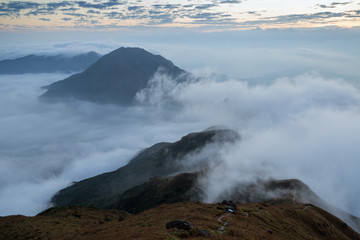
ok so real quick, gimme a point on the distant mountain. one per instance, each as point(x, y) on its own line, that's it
point(48, 64)
point(114, 78)
point(160, 160)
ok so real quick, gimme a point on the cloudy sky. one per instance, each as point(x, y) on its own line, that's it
point(241, 38)
point(216, 14)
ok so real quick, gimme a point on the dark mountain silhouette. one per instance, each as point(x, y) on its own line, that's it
point(48, 64)
point(162, 159)
point(115, 78)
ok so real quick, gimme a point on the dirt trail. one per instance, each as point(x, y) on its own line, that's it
point(224, 223)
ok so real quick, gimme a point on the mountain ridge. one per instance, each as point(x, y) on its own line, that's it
point(48, 63)
point(159, 160)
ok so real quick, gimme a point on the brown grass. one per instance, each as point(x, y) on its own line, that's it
point(250, 222)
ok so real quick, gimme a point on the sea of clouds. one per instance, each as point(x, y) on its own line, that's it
point(304, 127)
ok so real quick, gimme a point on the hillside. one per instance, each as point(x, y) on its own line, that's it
point(185, 187)
point(160, 160)
point(278, 221)
point(48, 63)
point(114, 78)
point(161, 174)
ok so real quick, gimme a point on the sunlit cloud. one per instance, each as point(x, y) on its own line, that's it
point(91, 14)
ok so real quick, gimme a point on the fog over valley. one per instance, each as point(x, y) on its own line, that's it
point(303, 126)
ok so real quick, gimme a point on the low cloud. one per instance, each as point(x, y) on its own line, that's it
point(46, 147)
point(304, 127)
point(65, 48)
point(318, 17)
point(301, 127)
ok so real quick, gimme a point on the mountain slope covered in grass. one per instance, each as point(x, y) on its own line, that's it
point(277, 221)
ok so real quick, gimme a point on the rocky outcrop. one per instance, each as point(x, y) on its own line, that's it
point(180, 224)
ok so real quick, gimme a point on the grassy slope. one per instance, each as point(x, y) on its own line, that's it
point(250, 221)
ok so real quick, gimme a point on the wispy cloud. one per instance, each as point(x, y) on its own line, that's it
point(217, 13)
point(102, 5)
point(333, 4)
point(166, 6)
point(231, 1)
point(44, 19)
point(93, 12)
point(76, 14)
point(14, 8)
point(205, 6)
point(33, 8)
point(114, 15)
point(254, 13)
point(318, 17)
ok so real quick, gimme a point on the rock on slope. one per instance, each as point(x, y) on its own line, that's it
point(48, 64)
point(114, 78)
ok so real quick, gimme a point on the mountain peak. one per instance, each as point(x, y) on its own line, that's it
point(114, 78)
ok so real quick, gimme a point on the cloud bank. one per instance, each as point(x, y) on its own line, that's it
point(304, 127)
point(46, 147)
